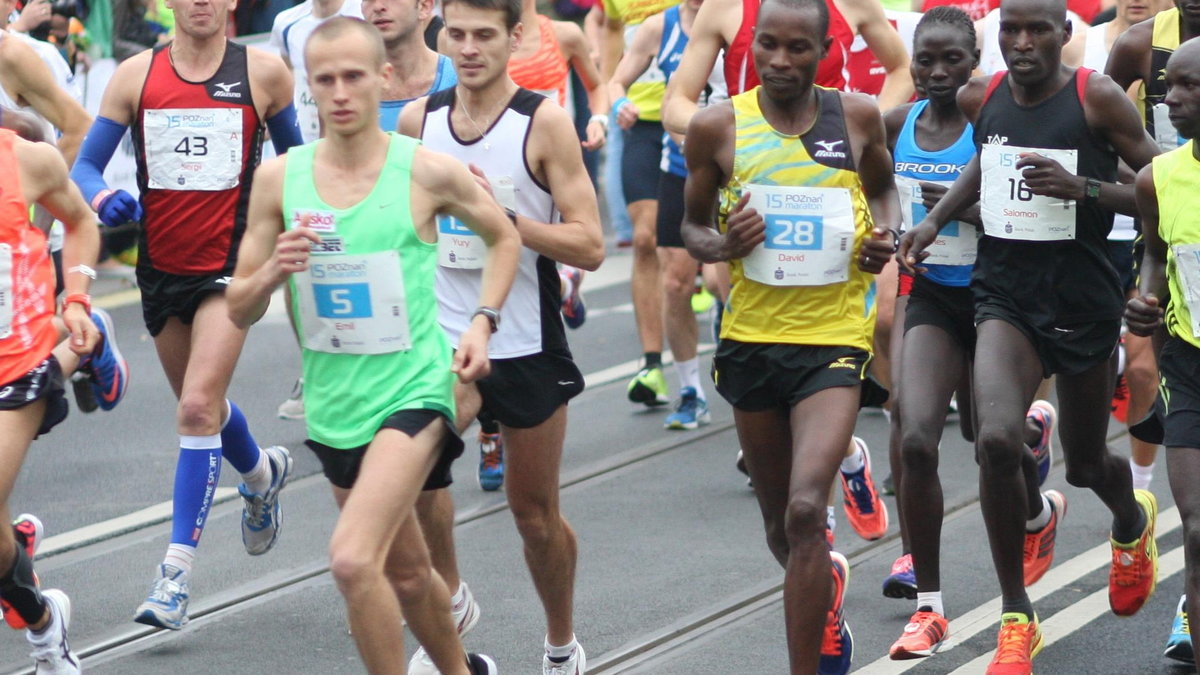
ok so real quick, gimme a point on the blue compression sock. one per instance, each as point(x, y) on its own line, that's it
point(196, 475)
point(237, 445)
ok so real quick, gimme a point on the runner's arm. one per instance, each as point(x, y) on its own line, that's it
point(635, 62)
point(871, 23)
point(875, 171)
point(81, 241)
point(711, 137)
point(961, 195)
point(275, 78)
point(613, 45)
point(117, 110)
point(33, 82)
point(578, 240)
point(267, 254)
point(1143, 313)
point(574, 44)
point(687, 83)
point(1130, 55)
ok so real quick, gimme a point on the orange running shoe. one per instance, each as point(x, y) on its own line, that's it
point(1134, 569)
point(866, 512)
point(1020, 640)
point(1039, 546)
point(837, 644)
point(923, 636)
point(28, 531)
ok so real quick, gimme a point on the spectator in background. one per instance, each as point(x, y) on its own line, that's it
point(132, 33)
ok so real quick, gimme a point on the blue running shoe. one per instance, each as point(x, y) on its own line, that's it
point(837, 645)
point(573, 310)
point(1179, 643)
point(261, 515)
point(107, 370)
point(1043, 415)
point(691, 413)
point(902, 582)
point(166, 606)
point(491, 462)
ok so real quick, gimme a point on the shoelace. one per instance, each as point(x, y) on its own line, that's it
point(902, 565)
point(165, 591)
point(492, 454)
point(831, 641)
point(1013, 644)
point(1127, 575)
point(257, 516)
point(1031, 545)
point(860, 492)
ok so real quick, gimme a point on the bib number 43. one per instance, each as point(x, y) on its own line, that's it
point(192, 145)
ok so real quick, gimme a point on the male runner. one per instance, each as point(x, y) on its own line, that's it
point(931, 141)
point(1047, 298)
point(27, 83)
point(32, 367)
point(525, 149)
point(796, 337)
point(1140, 55)
point(1170, 275)
point(289, 33)
point(417, 70)
point(659, 41)
point(196, 106)
point(380, 400)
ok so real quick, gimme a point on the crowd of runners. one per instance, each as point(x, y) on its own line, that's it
point(1001, 214)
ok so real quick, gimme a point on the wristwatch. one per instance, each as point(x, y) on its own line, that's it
point(1091, 191)
point(512, 215)
point(492, 314)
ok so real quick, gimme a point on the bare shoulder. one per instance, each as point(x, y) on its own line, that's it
point(893, 120)
point(38, 157)
point(970, 95)
point(861, 108)
point(412, 118)
point(1136, 39)
point(270, 173)
point(712, 122)
point(435, 172)
point(268, 63)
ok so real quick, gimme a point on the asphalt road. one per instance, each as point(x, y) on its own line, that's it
point(674, 575)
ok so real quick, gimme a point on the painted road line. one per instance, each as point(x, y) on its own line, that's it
point(1079, 614)
point(986, 616)
point(161, 512)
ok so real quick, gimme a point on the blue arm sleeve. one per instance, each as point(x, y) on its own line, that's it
point(285, 131)
point(97, 149)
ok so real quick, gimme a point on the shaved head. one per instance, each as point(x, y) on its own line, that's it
point(1188, 52)
point(340, 26)
point(1056, 10)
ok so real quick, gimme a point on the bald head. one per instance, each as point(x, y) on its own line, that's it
point(355, 30)
point(1187, 54)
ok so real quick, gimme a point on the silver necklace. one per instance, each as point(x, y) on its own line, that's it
point(480, 131)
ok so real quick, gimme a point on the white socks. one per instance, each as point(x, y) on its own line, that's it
point(181, 556)
point(258, 479)
point(1142, 475)
point(561, 653)
point(931, 600)
point(689, 376)
point(857, 459)
point(1042, 519)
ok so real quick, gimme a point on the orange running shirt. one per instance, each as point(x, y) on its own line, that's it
point(546, 72)
point(26, 276)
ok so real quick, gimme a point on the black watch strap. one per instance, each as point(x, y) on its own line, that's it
point(492, 314)
point(1091, 191)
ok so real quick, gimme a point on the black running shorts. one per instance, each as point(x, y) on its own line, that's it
point(951, 308)
point(670, 210)
point(1068, 349)
point(1177, 408)
point(522, 393)
point(341, 465)
point(757, 377)
point(640, 161)
point(167, 295)
point(44, 381)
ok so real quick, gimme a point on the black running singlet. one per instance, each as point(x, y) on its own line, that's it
point(1051, 283)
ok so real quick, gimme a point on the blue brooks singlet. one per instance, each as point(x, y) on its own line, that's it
point(941, 166)
point(670, 51)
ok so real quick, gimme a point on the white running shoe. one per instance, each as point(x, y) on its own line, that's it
point(261, 516)
point(51, 652)
point(166, 606)
point(293, 407)
point(576, 664)
point(465, 618)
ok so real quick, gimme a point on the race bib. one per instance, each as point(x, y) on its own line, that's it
point(1164, 132)
point(193, 148)
point(810, 235)
point(306, 114)
point(354, 304)
point(1187, 264)
point(458, 246)
point(956, 243)
point(6, 290)
point(1009, 208)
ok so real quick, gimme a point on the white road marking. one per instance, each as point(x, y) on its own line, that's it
point(986, 616)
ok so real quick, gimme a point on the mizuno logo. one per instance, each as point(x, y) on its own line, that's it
point(828, 149)
point(845, 362)
point(227, 90)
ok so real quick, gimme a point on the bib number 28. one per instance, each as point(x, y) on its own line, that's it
point(794, 232)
